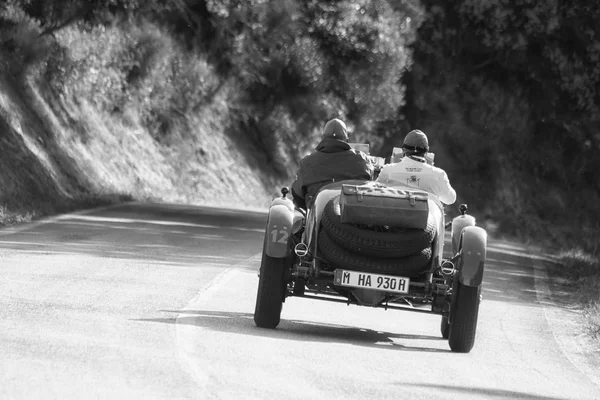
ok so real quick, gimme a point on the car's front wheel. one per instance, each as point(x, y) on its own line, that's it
point(271, 292)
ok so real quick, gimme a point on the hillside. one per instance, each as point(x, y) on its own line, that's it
point(156, 103)
point(56, 154)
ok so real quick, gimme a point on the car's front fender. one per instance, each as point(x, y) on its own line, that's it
point(279, 229)
point(458, 224)
point(471, 262)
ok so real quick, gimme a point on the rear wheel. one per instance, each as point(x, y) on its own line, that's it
point(271, 292)
point(463, 318)
point(445, 327)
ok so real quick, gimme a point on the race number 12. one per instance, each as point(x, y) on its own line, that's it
point(279, 235)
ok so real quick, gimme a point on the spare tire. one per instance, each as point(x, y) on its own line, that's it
point(409, 266)
point(375, 242)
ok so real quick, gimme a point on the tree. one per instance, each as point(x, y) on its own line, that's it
point(510, 89)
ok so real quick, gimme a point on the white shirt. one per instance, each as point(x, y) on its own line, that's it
point(412, 173)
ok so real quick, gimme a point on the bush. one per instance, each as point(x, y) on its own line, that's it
point(583, 269)
point(94, 66)
point(8, 217)
point(22, 49)
point(177, 86)
point(138, 66)
point(580, 264)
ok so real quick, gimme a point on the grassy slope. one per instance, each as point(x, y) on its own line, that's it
point(57, 155)
point(34, 179)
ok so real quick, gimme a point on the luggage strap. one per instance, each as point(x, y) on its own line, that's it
point(412, 196)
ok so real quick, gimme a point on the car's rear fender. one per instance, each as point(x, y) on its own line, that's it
point(279, 229)
point(315, 214)
point(471, 262)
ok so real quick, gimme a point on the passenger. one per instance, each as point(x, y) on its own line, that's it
point(334, 160)
point(414, 171)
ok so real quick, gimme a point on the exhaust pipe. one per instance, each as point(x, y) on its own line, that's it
point(448, 268)
point(301, 249)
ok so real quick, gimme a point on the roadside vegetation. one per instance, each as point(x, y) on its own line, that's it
point(8, 217)
point(215, 101)
point(203, 102)
point(582, 268)
point(511, 91)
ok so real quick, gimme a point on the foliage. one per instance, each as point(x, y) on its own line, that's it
point(510, 90)
point(304, 61)
point(131, 66)
point(8, 217)
point(21, 48)
point(583, 270)
point(346, 57)
point(579, 264)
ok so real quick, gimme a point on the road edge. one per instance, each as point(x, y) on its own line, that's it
point(54, 218)
point(184, 333)
point(572, 341)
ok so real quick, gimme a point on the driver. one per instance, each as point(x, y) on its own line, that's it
point(414, 171)
point(333, 160)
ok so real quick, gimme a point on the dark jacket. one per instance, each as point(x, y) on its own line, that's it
point(332, 161)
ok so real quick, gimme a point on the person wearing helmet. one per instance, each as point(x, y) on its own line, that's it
point(333, 160)
point(414, 171)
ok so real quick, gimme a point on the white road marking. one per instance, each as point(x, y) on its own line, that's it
point(186, 335)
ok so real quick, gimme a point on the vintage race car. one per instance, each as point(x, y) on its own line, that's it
point(325, 254)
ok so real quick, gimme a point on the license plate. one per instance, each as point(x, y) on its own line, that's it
point(387, 283)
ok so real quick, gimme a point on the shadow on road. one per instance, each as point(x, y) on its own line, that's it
point(170, 235)
point(483, 393)
point(304, 331)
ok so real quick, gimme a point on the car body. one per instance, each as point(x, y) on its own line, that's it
point(300, 259)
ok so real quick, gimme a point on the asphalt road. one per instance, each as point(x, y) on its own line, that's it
point(156, 302)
